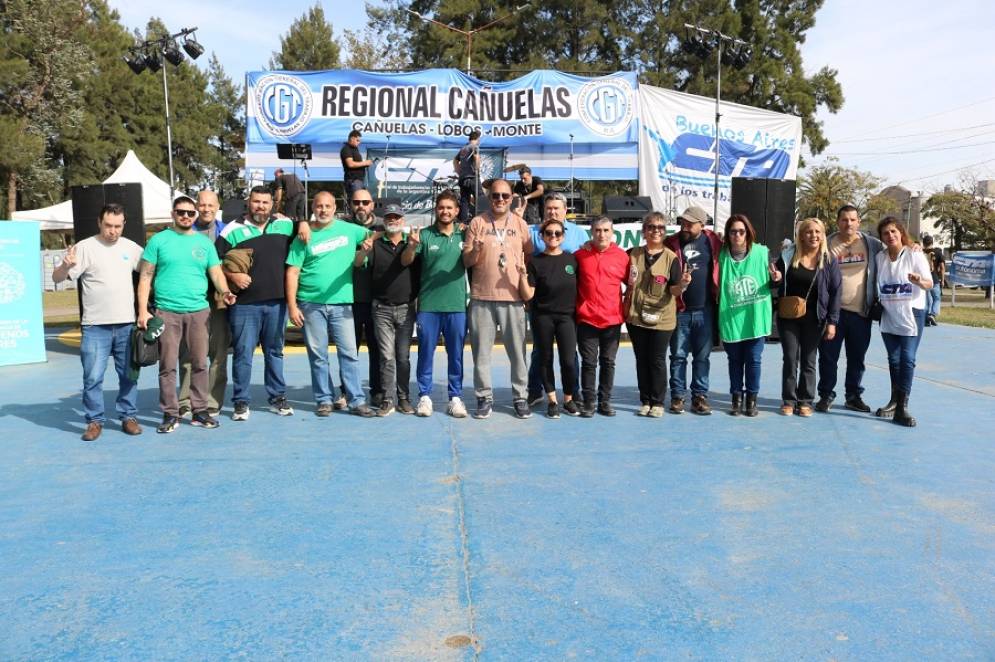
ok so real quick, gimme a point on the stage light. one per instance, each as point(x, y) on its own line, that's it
point(136, 62)
point(193, 49)
point(173, 54)
point(153, 61)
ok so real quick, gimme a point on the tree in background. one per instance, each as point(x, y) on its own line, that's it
point(374, 51)
point(228, 121)
point(827, 187)
point(308, 45)
point(967, 219)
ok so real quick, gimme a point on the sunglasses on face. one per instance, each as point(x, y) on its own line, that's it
point(553, 233)
point(500, 196)
point(737, 231)
point(654, 228)
point(362, 202)
point(189, 213)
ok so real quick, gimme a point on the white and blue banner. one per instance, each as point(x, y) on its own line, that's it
point(22, 331)
point(972, 269)
point(677, 145)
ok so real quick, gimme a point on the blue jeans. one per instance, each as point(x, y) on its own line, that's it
point(744, 362)
point(335, 320)
point(902, 354)
point(693, 334)
point(351, 186)
point(101, 341)
point(933, 300)
point(262, 323)
point(452, 326)
point(854, 331)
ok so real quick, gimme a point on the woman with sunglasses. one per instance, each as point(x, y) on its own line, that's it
point(655, 278)
point(903, 277)
point(551, 287)
point(744, 309)
point(808, 311)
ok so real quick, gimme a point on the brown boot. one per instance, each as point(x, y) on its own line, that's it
point(93, 430)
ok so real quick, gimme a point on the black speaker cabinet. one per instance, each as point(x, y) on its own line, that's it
point(770, 206)
point(380, 203)
point(232, 210)
point(89, 199)
point(626, 208)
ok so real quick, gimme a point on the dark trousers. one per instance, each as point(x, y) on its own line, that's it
point(902, 354)
point(394, 324)
point(650, 347)
point(547, 327)
point(800, 347)
point(854, 331)
point(294, 207)
point(467, 198)
point(598, 348)
point(362, 320)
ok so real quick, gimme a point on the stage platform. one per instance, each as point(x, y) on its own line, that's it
point(838, 537)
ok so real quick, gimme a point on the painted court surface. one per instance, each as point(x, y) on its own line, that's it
point(834, 538)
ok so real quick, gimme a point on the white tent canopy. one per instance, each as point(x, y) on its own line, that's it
point(156, 203)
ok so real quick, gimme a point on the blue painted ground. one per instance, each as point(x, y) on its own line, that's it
point(834, 538)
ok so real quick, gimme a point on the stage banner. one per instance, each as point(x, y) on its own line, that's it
point(22, 331)
point(972, 269)
point(440, 107)
point(677, 149)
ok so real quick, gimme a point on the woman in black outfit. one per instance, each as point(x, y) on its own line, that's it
point(655, 278)
point(551, 287)
point(813, 275)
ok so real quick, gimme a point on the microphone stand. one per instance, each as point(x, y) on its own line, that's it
point(307, 177)
point(572, 172)
point(386, 168)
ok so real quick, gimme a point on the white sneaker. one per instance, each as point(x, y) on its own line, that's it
point(424, 406)
point(340, 404)
point(456, 408)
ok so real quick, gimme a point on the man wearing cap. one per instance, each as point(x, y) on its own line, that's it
point(218, 333)
point(466, 163)
point(179, 262)
point(290, 191)
point(319, 299)
point(530, 190)
point(260, 317)
point(697, 250)
point(441, 302)
point(353, 164)
point(395, 288)
point(496, 245)
point(103, 265)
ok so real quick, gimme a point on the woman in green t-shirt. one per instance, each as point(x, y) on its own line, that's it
point(744, 309)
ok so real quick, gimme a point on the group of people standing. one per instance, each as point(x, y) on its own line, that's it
point(346, 279)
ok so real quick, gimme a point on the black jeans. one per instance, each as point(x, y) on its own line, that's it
point(547, 327)
point(467, 192)
point(650, 347)
point(362, 321)
point(598, 347)
point(800, 340)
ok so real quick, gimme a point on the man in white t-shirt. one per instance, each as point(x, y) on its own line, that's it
point(103, 264)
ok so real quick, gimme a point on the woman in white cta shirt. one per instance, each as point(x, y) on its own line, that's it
point(903, 278)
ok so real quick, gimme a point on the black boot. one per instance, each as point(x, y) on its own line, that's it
point(737, 403)
point(751, 405)
point(888, 410)
point(902, 415)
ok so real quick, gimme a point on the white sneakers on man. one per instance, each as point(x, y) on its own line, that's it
point(424, 406)
point(456, 408)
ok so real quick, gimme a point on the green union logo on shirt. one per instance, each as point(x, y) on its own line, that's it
point(199, 253)
point(746, 290)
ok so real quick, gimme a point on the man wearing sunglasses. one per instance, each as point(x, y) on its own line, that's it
point(496, 245)
point(179, 261)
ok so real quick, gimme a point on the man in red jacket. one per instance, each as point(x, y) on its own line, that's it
point(602, 268)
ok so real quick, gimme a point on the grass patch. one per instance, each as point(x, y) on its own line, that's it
point(60, 307)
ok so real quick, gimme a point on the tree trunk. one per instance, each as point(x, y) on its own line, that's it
point(11, 194)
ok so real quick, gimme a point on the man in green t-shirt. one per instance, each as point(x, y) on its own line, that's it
point(319, 299)
point(178, 262)
point(441, 302)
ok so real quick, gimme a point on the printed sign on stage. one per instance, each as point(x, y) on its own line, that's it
point(22, 332)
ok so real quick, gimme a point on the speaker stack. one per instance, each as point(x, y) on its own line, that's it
point(770, 206)
point(626, 209)
point(88, 200)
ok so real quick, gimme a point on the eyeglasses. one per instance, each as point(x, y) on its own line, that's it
point(500, 196)
point(736, 231)
point(189, 213)
point(553, 233)
point(654, 228)
point(362, 202)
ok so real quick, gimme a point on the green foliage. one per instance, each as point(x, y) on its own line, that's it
point(308, 45)
point(966, 219)
point(827, 187)
point(228, 120)
point(374, 51)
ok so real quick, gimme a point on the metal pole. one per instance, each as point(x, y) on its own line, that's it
point(718, 138)
point(169, 132)
point(469, 46)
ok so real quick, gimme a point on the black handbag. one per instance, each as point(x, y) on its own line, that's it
point(876, 311)
point(143, 353)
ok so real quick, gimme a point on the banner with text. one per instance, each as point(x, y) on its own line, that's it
point(972, 269)
point(22, 331)
point(677, 149)
point(440, 107)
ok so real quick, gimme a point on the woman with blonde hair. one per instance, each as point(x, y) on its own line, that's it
point(808, 310)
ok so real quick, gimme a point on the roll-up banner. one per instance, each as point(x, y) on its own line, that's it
point(22, 331)
point(677, 149)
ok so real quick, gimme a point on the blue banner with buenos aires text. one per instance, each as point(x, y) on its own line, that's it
point(440, 107)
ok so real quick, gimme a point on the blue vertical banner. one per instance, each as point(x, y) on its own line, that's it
point(22, 331)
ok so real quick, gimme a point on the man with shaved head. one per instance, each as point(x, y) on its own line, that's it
point(218, 333)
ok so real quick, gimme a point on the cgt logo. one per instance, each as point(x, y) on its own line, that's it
point(896, 288)
point(283, 104)
point(606, 106)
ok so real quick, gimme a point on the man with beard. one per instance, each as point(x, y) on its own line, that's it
point(441, 302)
point(319, 299)
point(697, 250)
point(497, 243)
